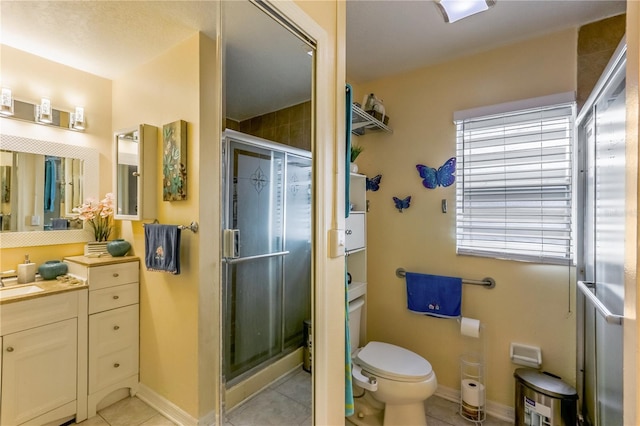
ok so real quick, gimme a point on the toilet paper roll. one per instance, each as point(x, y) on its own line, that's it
point(472, 393)
point(470, 327)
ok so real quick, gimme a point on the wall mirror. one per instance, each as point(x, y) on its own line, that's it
point(42, 182)
point(135, 174)
point(267, 202)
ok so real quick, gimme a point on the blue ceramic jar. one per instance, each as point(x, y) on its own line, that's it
point(50, 269)
point(118, 248)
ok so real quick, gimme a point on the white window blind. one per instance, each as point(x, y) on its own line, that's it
point(514, 184)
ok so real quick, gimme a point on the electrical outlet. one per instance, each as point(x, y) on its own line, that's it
point(35, 220)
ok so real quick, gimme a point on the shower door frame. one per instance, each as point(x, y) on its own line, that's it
point(230, 136)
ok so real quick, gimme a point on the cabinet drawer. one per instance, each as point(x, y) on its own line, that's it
point(39, 311)
point(112, 329)
point(112, 367)
point(112, 297)
point(355, 232)
point(112, 275)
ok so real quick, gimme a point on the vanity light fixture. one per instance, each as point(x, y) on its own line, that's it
point(76, 119)
point(6, 102)
point(454, 10)
point(44, 113)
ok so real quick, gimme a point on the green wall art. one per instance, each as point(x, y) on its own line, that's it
point(174, 161)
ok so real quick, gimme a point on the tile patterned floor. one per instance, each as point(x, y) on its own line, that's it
point(287, 402)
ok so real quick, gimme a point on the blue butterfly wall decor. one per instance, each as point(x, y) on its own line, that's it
point(402, 204)
point(432, 178)
point(373, 184)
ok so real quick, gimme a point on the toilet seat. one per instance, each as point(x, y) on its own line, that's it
point(393, 362)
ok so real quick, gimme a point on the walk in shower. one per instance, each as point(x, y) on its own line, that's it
point(267, 252)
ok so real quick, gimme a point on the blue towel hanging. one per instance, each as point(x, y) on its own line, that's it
point(162, 248)
point(434, 295)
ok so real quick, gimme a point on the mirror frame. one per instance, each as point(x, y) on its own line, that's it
point(91, 178)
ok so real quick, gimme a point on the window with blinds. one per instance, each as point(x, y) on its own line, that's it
point(514, 184)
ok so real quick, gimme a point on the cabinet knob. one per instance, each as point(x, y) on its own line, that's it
point(136, 174)
point(116, 275)
point(116, 327)
point(116, 365)
point(116, 297)
point(10, 349)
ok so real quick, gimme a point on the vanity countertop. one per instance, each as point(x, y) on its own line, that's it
point(101, 260)
point(48, 287)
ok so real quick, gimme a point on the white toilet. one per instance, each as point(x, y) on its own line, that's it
point(396, 381)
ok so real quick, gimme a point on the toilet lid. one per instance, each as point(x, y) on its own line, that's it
point(393, 362)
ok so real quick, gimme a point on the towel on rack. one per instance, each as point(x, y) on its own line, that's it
point(434, 295)
point(162, 248)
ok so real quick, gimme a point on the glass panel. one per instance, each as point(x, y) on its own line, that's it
point(254, 287)
point(297, 273)
point(253, 331)
point(257, 206)
point(609, 244)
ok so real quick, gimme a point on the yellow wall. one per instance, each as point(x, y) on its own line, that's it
point(31, 78)
point(160, 92)
point(531, 303)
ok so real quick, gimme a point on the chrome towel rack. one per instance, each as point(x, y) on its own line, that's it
point(487, 282)
point(193, 227)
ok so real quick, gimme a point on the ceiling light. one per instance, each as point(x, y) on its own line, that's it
point(44, 114)
point(76, 119)
point(6, 102)
point(454, 10)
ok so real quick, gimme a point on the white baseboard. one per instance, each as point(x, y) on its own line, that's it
point(172, 411)
point(500, 411)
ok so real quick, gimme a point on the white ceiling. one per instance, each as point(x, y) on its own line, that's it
point(389, 37)
point(108, 38)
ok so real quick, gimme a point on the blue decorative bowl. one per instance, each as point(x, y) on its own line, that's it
point(118, 248)
point(50, 269)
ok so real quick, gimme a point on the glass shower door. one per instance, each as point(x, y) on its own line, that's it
point(253, 290)
point(602, 134)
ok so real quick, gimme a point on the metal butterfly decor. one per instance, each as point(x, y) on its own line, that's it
point(373, 184)
point(402, 204)
point(443, 176)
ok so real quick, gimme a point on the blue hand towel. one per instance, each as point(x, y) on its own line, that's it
point(434, 295)
point(162, 248)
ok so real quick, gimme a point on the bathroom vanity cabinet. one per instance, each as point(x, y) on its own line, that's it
point(356, 243)
point(113, 324)
point(43, 378)
point(135, 173)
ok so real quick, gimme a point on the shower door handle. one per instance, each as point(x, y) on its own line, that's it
point(257, 256)
point(609, 317)
point(231, 243)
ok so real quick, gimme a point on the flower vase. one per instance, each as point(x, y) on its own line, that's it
point(353, 168)
point(50, 269)
point(95, 247)
point(118, 248)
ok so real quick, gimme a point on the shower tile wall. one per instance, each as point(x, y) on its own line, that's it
point(289, 126)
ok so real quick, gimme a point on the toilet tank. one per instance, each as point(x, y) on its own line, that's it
point(355, 315)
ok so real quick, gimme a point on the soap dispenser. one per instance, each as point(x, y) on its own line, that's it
point(26, 271)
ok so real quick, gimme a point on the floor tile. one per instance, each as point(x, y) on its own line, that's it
point(269, 408)
point(158, 420)
point(127, 412)
point(297, 387)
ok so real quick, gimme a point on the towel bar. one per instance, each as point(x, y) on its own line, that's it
point(193, 227)
point(487, 282)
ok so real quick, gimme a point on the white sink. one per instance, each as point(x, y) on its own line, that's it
point(19, 291)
